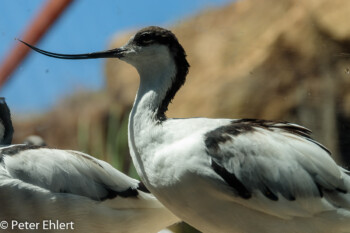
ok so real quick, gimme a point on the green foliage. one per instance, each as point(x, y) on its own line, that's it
point(107, 141)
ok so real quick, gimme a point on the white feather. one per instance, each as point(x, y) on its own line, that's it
point(38, 184)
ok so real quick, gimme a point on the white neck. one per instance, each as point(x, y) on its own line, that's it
point(145, 131)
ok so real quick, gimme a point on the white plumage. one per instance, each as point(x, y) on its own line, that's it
point(41, 183)
point(223, 175)
point(38, 184)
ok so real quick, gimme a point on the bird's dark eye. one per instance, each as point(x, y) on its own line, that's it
point(144, 39)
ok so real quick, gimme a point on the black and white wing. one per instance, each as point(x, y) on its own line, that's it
point(64, 171)
point(276, 168)
point(38, 182)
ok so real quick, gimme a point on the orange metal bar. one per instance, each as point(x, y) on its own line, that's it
point(51, 10)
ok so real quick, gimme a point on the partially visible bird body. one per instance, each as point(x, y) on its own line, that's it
point(38, 184)
point(34, 140)
point(6, 128)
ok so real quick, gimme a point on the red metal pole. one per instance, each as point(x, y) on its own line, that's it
point(51, 10)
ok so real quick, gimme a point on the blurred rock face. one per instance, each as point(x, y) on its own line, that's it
point(271, 59)
point(280, 60)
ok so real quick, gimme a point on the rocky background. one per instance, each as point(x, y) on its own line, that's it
point(279, 60)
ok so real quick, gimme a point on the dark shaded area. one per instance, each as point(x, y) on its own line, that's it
point(232, 181)
point(17, 149)
point(344, 138)
point(5, 120)
point(130, 192)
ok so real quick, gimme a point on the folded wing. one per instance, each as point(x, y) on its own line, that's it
point(276, 168)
